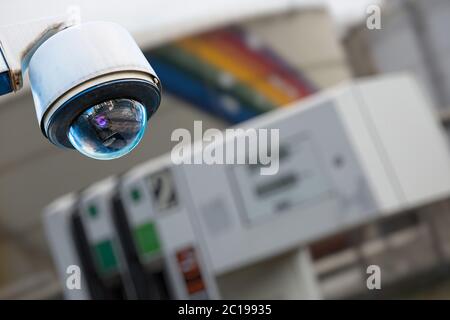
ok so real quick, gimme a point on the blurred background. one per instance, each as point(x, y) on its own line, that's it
point(195, 49)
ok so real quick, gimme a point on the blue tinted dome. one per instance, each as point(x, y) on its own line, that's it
point(109, 130)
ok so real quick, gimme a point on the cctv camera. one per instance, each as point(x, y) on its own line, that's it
point(93, 89)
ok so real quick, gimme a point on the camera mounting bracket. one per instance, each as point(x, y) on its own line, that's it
point(18, 42)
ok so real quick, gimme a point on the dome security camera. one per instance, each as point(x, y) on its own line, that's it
point(92, 87)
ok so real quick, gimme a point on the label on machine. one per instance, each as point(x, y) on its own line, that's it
point(299, 181)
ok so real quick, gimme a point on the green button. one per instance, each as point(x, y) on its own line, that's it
point(135, 195)
point(93, 211)
point(106, 258)
point(146, 238)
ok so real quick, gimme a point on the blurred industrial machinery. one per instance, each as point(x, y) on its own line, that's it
point(348, 158)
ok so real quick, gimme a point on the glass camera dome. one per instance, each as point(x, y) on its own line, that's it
point(109, 130)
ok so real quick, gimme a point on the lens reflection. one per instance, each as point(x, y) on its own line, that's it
point(110, 129)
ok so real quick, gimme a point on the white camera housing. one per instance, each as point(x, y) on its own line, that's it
point(82, 66)
point(92, 86)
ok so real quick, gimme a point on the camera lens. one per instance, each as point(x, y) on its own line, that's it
point(110, 129)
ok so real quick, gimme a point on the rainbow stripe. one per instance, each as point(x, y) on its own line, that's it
point(227, 64)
